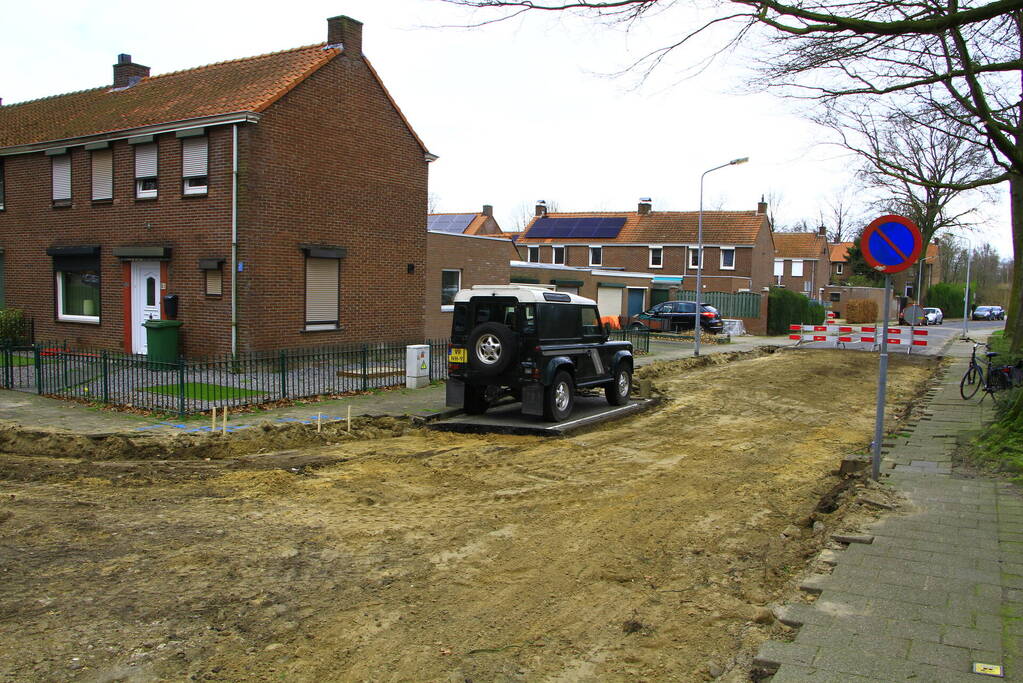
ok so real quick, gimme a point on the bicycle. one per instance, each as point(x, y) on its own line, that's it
point(992, 378)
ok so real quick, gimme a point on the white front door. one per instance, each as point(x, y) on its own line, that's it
point(145, 300)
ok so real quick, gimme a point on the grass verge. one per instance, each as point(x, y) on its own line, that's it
point(200, 391)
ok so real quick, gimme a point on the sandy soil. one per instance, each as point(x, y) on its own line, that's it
point(645, 550)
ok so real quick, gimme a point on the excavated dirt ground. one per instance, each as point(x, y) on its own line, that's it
point(645, 550)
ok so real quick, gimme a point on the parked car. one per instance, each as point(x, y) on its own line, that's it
point(536, 344)
point(989, 313)
point(676, 316)
point(933, 316)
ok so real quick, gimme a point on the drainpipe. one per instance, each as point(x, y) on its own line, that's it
point(234, 239)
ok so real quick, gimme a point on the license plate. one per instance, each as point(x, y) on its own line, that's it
point(458, 356)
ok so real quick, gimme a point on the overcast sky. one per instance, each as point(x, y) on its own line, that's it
point(517, 111)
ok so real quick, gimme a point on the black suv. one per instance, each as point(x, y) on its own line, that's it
point(675, 316)
point(535, 343)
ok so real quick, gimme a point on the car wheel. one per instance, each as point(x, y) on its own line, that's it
point(491, 349)
point(559, 397)
point(618, 390)
point(475, 402)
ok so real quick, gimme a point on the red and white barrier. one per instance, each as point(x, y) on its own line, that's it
point(850, 334)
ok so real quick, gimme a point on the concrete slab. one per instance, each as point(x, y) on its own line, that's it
point(508, 418)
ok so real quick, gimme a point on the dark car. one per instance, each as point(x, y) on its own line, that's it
point(676, 316)
point(536, 344)
point(989, 313)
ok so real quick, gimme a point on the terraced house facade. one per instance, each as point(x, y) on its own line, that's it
point(257, 192)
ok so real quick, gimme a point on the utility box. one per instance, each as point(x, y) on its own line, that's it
point(417, 365)
point(162, 340)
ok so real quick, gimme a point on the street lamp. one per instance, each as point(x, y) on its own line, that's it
point(699, 254)
point(966, 295)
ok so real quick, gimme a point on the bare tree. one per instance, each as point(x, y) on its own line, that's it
point(839, 217)
point(525, 212)
point(957, 59)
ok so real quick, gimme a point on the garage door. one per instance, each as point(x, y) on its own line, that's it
point(609, 301)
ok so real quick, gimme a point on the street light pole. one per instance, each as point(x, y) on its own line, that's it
point(699, 255)
point(966, 295)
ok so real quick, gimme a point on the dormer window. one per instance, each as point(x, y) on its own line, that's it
point(145, 171)
point(194, 165)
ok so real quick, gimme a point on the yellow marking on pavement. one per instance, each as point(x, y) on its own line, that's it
point(988, 669)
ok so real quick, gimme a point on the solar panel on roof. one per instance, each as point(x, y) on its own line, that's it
point(449, 222)
point(577, 228)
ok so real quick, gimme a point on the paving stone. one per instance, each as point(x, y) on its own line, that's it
point(947, 656)
point(772, 654)
point(972, 638)
point(798, 614)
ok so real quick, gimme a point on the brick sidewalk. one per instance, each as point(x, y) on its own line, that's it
point(941, 585)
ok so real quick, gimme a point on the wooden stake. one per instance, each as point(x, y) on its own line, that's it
point(213, 422)
point(319, 425)
point(225, 419)
point(349, 419)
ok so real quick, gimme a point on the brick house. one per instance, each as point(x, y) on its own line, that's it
point(802, 261)
point(482, 223)
point(259, 191)
point(737, 245)
point(838, 255)
point(460, 259)
point(904, 284)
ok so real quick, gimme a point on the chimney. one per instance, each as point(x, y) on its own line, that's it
point(541, 208)
point(822, 231)
point(761, 206)
point(127, 73)
point(488, 210)
point(644, 206)
point(345, 32)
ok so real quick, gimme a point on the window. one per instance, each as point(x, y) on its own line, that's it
point(596, 256)
point(835, 296)
point(194, 165)
point(656, 257)
point(533, 254)
point(214, 282)
point(1, 184)
point(77, 288)
point(450, 283)
point(145, 171)
point(839, 268)
point(727, 258)
point(779, 267)
point(61, 170)
point(559, 255)
point(102, 174)
point(693, 255)
point(591, 323)
point(321, 293)
point(558, 321)
point(797, 269)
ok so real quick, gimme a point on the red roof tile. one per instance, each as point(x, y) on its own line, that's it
point(838, 251)
point(242, 85)
point(719, 227)
point(799, 245)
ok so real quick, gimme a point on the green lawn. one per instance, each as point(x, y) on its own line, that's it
point(204, 392)
point(17, 360)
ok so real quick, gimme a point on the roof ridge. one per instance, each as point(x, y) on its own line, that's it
point(169, 73)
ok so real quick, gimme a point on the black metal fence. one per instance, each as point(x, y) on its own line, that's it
point(197, 385)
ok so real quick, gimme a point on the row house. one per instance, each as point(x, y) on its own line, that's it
point(923, 275)
point(251, 195)
point(737, 245)
point(802, 261)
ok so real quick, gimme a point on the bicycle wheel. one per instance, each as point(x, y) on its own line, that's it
point(970, 383)
point(998, 385)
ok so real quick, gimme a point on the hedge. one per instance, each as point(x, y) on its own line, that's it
point(861, 311)
point(948, 297)
point(13, 326)
point(785, 307)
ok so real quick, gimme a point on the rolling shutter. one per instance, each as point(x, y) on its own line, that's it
point(214, 282)
point(609, 301)
point(61, 177)
point(145, 161)
point(321, 291)
point(194, 155)
point(102, 174)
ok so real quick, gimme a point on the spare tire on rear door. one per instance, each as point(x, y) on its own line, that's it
point(491, 349)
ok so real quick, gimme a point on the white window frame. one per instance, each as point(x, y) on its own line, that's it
point(722, 251)
point(322, 326)
point(199, 169)
point(447, 308)
point(554, 254)
point(140, 179)
point(90, 319)
point(779, 267)
point(650, 256)
point(839, 268)
point(532, 254)
point(794, 268)
point(60, 172)
point(600, 252)
point(693, 251)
